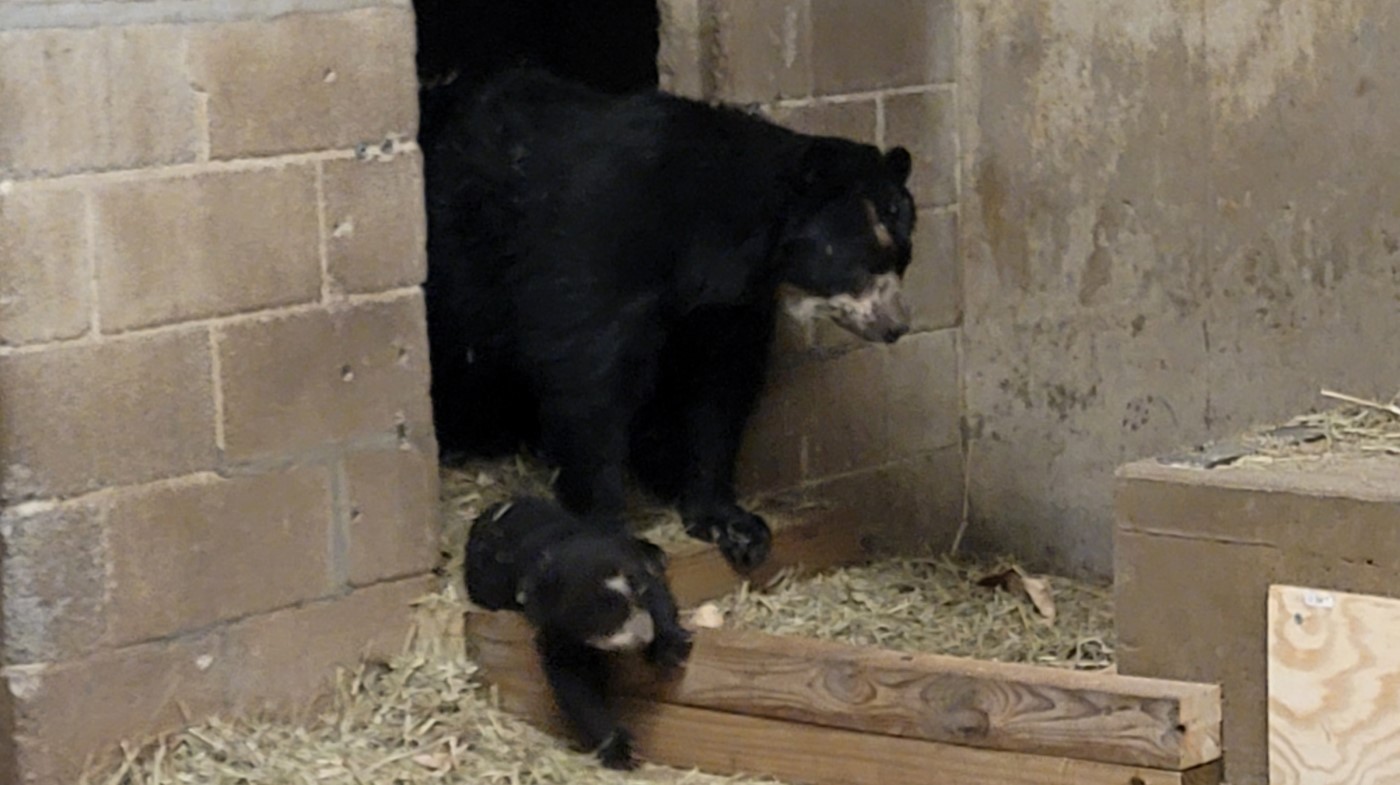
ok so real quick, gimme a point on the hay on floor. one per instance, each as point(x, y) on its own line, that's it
point(937, 605)
point(424, 717)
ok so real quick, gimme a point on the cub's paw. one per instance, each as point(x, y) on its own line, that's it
point(671, 648)
point(654, 556)
point(616, 751)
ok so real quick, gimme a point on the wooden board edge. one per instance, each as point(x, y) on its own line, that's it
point(804, 542)
point(729, 744)
point(502, 643)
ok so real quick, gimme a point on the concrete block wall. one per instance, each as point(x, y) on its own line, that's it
point(874, 425)
point(217, 466)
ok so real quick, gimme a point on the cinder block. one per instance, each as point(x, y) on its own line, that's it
point(63, 714)
point(305, 82)
point(184, 554)
point(918, 500)
point(926, 123)
point(125, 411)
point(103, 98)
point(174, 249)
point(46, 292)
point(393, 512)
point(933, 282)
point(848, 119)
point(1195, 553)
point(877, 404)
point(759, 50)
point(923, 392)
point(858, 45)
point(284, 658)
point(679, 58)
point(771, 455)
point(54, 585)
point(840, 404)
point(294, 382)
point(376, 224)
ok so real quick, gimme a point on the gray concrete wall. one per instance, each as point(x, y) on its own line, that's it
point(1179, 218)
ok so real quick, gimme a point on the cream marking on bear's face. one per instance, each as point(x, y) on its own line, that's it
point(883, 238)
point(871, 315)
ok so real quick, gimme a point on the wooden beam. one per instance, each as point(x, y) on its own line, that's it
point(996, 706)
point(1334, 712)
point(728, 744)
point(804, 540)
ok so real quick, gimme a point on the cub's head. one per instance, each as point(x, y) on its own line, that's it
point(847, 241)
point(594, 589)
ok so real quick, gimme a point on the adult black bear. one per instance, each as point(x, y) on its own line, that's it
point(604, 277)
point(587, 593)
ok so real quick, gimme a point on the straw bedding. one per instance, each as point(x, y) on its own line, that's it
point(987, 609)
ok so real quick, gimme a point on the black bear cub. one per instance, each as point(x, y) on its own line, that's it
point(605, 273)
point(588, 593)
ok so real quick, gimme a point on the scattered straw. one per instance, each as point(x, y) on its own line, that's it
point(1360, 426)
point(935, 605)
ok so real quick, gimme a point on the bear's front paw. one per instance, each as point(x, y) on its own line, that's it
point(616, 751)
point(671, 648)
point(745, 541)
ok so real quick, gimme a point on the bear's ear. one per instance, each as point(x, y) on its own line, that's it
point(538, 585)
point(899, 163)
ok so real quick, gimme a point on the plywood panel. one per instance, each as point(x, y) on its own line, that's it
point(1334, 688)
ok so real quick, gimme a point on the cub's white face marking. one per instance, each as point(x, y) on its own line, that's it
point(637, 631)
point(869, 315)
point(619, 584)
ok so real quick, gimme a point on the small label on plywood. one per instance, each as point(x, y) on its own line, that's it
point(1318, 599)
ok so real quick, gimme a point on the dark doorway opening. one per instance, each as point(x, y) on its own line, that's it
point(610, 45)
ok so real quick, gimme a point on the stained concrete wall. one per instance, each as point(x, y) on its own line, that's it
point(1179, 218)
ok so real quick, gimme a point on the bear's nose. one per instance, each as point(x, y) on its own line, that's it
point(893, 334)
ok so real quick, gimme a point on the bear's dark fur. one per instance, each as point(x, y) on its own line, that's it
point(587, 593)
point(604, 278)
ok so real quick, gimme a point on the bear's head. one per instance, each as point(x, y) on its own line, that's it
point(593, 588)
point(847, 239)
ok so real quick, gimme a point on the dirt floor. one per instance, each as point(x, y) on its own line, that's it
point(426, 717)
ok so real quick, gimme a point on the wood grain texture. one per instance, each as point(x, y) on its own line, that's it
point(724, 743)
point(996, 706)
point(1334, 688)
point(804, 541)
